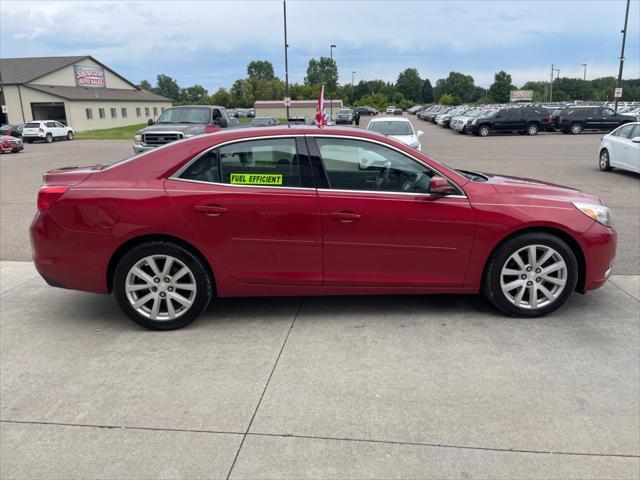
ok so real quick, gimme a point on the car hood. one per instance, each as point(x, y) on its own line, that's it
point(193, 129)
point(535, 188)
point(406, 139)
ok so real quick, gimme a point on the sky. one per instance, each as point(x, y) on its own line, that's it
point(210, 42)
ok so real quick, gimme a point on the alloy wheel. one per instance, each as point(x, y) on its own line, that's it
point(533, 277)
point(160, 287)
point(604, 161)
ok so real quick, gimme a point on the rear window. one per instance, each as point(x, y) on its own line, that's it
point(32, 125)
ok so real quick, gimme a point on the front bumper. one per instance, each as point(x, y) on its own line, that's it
point(599, 248)
point(141, 148)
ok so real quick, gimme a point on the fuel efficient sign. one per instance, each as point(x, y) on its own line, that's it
point(89, 76)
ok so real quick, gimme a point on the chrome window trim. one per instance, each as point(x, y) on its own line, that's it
point(176, 175)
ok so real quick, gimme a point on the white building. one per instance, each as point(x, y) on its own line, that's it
point(79, 91)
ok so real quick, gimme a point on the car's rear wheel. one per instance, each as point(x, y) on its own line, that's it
point(576, 128)
point(162, 286)
point(483, 131)
point(532, 129)
point(604, 163)
point(48, 138)
point(69, 135)
point(531, 275)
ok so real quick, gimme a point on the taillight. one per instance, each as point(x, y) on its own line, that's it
point(47, 196)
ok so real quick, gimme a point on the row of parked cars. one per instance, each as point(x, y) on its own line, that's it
point(14, 136)
point(527, 119)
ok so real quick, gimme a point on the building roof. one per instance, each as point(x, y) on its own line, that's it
point(294, 103)
point(23, 70)
point(89, 93)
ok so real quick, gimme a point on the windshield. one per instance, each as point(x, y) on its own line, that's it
point(185, 115)
point(391, 127)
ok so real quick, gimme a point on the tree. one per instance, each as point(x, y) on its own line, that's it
point(322, 72)
point(427, 91)
point(440, 88)
point(260, 69)
point(221, 97)
point(478, 94)
point(409, 84)
point(145, 85)
point(460, 86)
point(241, 94)
point(193, 95)
point(167, 87)
point(378, 101)
point(265, 89)
point(500, 88)
point(448, 99)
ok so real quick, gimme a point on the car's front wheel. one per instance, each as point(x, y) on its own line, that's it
point(162, 286)
point(69, 135)
point(532, 129)
point(531, 275)
point(48, 138)
point(604, 163)
point(483, 131)
point(576, 128)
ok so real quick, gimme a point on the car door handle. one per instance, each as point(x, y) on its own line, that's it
point(345, 216)
point(210, 210)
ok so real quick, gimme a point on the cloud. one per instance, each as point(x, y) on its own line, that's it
point(211, 42)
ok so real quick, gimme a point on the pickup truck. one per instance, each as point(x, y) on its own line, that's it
point(177, 123)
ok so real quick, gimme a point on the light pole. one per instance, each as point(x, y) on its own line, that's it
point(331, 56)
point(551, 85)
point(624, 39)
point(584, 75)
point(353, 74)
point(286, 61)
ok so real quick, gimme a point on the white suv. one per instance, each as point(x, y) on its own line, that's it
point(47, 130)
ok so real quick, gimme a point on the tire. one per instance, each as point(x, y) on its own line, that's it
point(532, 129)
point(501, 271)
point(48, 138)
point(483, 130)
point(576, 128)
point(69, 135)
point(604, 162)
point(29, 141)
point(198, 294)
point(565, 132)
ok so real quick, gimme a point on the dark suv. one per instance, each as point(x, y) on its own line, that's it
point(529, 120)
point(576, 119)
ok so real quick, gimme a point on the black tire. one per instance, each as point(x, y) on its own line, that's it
point(604, 162)
point(576, 128)
point(48, 138)
point(69, 135)
point(491, 283)
point(532, 129)
point(484, 130)
point(566, 132)
point(203, 281)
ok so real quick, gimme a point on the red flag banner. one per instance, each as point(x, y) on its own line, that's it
point(321, 121)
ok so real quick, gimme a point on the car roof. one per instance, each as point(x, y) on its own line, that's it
point(389, 119)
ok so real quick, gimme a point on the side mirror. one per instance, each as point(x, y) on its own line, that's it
point(222, 122)
point(150, 122)
point(419, 133)
point(441, 186)
point(635, 139)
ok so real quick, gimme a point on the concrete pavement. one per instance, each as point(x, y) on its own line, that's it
point(346, 387)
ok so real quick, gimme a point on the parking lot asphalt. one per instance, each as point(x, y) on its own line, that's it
point(341, 387)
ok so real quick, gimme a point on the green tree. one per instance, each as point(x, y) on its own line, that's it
point(322, 72)
point(167, 87)
point(478, 94)
point(539, 90)
point(427, 91)
point(459, 85)
point(377, 100)
point(145, 85)
point(241, 94)
point(193, 95)
point(260, 69)
point(440, 88)
point(500, 88)
point(409, 84)
point(448, 99)
point(397, 99)
point(221, 97)
point(265, 89)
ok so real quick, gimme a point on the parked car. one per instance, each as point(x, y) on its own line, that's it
point(577, 119)
point(413, 110)
point(177, 123)
point(400, 129)
point(444, 120)
point(462, 122)
point(366, 111)
point(264, 122)
point(344, 116)
point(393, 110)
point(12, 130)
point(304, 211)
point(47, 130)
point(634, 113)
point(529, 120)
point(621, 149)
point(9, 144)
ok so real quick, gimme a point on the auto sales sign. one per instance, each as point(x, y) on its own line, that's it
point(89, 76)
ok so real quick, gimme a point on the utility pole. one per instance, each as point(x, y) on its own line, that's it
point(353, 74)
point(624, 39)
point(551, 85)
point(584, 76)
point(286, 60)
point(330, 93)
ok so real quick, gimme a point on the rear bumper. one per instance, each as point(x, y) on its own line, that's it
point(68, 259)
point(599, 246)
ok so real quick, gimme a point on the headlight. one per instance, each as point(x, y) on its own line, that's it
point(474, 121)
point(137, 138)
point(600, 213)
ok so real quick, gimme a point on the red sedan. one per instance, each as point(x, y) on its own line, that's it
point(308, 211)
